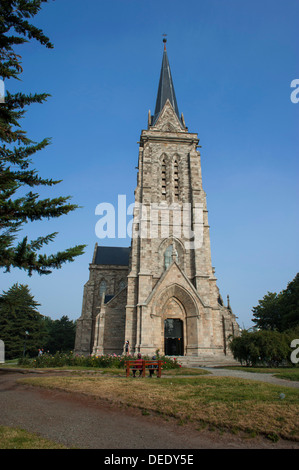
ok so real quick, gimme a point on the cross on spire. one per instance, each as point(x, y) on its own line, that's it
point(164, 40)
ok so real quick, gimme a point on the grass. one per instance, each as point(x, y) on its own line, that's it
point(168, 372)
point(9, 363)
point(203, 401)
point(16, 438)
point(288, 373)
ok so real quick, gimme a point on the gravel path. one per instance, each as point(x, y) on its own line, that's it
point(81, 422)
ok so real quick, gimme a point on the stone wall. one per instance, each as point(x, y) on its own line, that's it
point(86, 324)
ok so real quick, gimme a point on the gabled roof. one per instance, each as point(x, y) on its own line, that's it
point(165, 89)
point(184, 283)
point(112, 255)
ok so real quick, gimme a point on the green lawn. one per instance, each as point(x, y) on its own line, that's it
point(217, 402)
point(16, 438)
point(288, 373)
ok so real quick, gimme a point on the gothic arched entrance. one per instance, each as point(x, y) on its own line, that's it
point(173, 337)
point(173, 319)
point(176, 311)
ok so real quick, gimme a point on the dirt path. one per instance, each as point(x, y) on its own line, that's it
point(81, 422)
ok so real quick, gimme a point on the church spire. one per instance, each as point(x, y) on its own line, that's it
point(166, 88)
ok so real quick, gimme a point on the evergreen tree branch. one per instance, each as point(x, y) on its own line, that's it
point(16, 153)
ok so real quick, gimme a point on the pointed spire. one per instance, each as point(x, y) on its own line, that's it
point(166, 88)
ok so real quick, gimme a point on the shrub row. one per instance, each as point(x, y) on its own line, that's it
point(264, 347)
point(74, 360)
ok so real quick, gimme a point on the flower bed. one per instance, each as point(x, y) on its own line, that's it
point(102, 361)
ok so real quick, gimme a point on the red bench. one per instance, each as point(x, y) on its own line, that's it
point(142, 365)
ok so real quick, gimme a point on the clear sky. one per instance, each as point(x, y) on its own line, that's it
point(232, 64)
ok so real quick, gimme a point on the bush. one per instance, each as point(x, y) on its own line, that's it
point(264, 347)
point(103, 361)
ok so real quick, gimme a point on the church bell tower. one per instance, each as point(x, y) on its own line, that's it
point(160, 293)
point(173, 302)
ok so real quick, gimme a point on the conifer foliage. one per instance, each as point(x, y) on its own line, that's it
point(21, 324)
point(279, 312)
point(17, 175)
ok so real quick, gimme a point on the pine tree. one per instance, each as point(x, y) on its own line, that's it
point(18, 315)
point(267, 314)
point(279, 312)
point(16, 150)
point(290, 304)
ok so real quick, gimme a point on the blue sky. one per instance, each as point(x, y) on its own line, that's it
point(232, 63)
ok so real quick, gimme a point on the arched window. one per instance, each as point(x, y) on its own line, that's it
point(122, 285)
point(103, 287)
point(176, 178)
point(168, 256)
point(163, 174)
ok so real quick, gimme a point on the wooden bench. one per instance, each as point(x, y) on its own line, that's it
point(142, 365)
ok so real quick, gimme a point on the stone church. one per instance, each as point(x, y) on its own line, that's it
point(161, 292)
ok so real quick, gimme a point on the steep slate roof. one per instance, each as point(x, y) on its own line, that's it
point(114, 255)
point(165, 89)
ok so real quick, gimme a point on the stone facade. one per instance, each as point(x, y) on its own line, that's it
point(170, 300)
point(103, 309)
